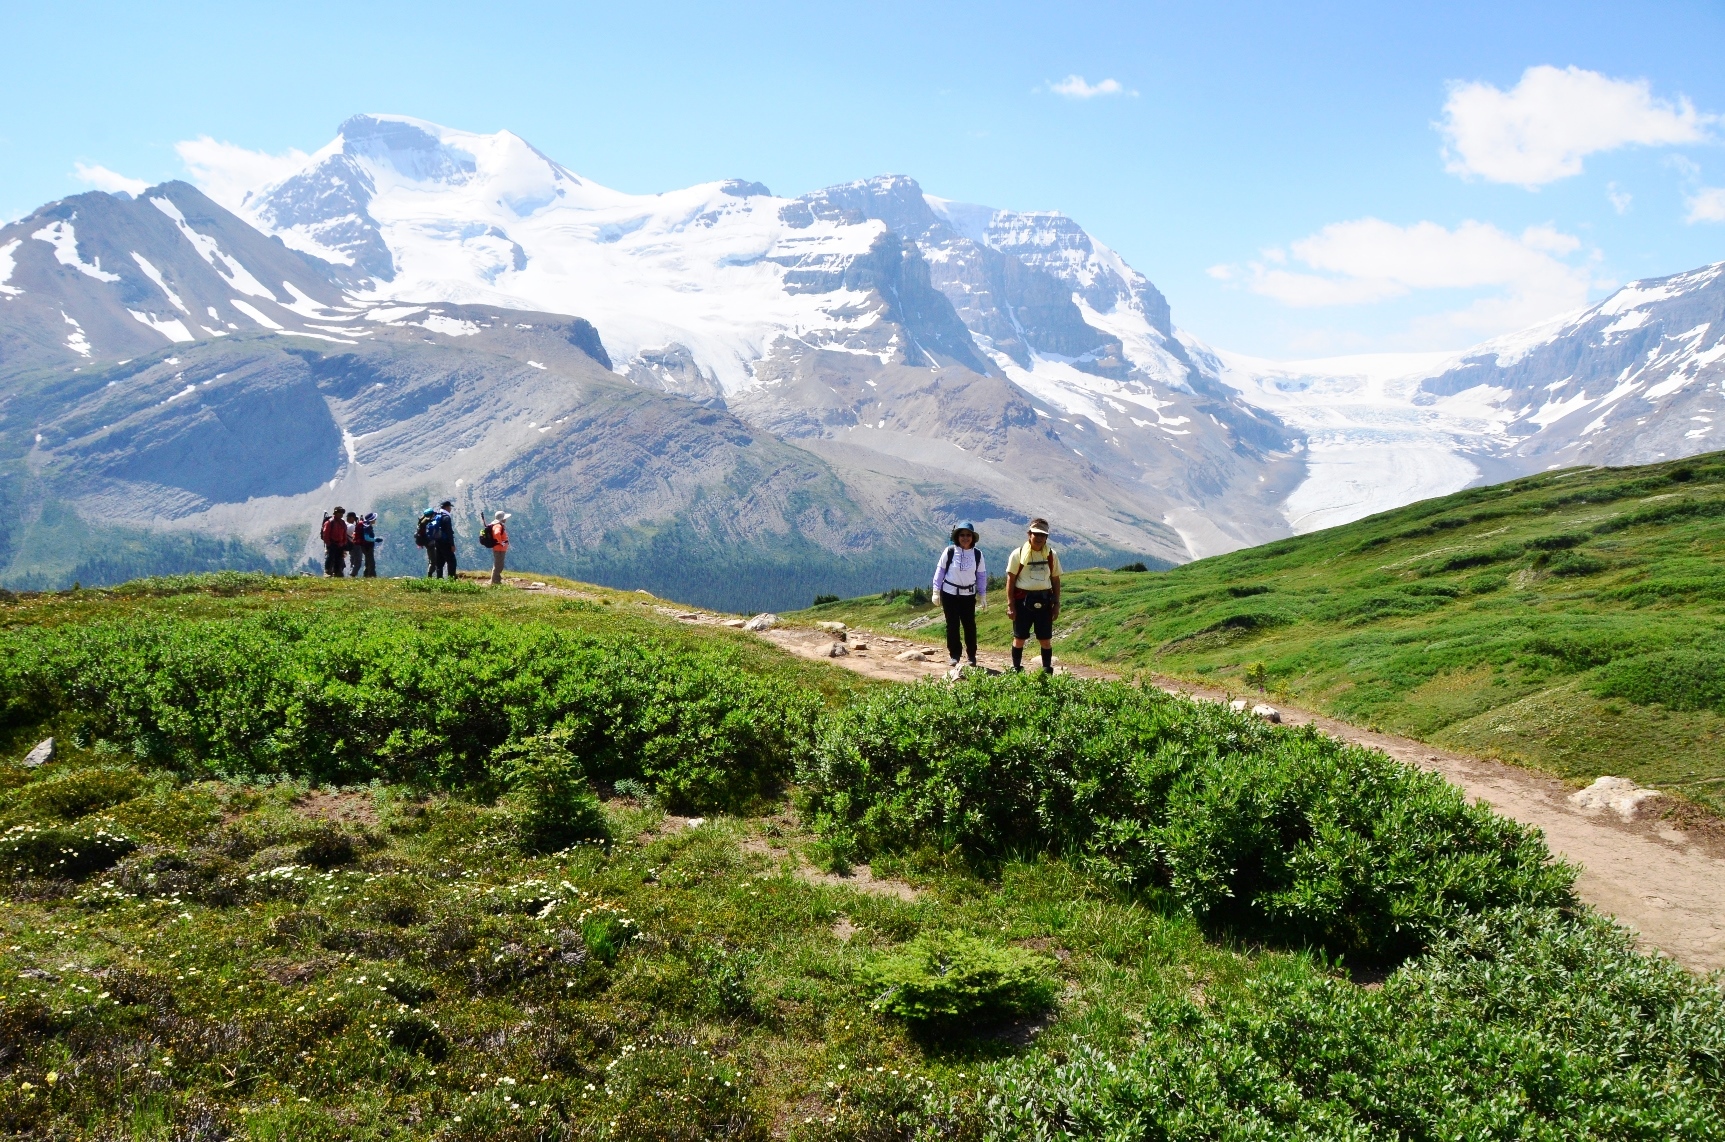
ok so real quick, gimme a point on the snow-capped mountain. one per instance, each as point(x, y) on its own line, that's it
point(1634, 379)
point(726, 291)
point(789, 394)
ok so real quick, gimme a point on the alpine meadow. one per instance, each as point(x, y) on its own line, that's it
point(555, 863)
point(949, 572)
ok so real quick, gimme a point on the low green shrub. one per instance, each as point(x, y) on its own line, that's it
point(948, 980)
point(1283, 834)
point(72, 793)
point(548, 794)
point(422, 702)
point(1522, 1024)
point(1687, 679)
point(62, 851)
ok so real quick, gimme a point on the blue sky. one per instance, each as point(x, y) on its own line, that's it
point(1300, 180)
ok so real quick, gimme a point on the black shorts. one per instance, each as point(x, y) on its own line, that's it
point(1035, 612)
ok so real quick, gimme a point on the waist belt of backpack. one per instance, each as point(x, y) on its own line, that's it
point(954, 589)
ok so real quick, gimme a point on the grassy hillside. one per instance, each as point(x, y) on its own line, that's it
point(323, 860)
point(1571, 621)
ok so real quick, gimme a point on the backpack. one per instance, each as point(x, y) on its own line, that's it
point(488, 537)
point(422, 534)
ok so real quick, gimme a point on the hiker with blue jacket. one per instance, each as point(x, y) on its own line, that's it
point(961, 585)
point(425, 540)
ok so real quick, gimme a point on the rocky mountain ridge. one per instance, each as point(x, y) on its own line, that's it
point(817, 383)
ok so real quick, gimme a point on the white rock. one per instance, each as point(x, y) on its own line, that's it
point(43, 753)
point(913, 655)
point(735, 622)
point(697, 822)
point(1618, 794)
point(535, 586)
point(766, 620)
point(1238, 705)
point(836, 628)
point(837, 650)
point(1268, 713)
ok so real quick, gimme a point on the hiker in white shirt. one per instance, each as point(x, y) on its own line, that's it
point(961, 584)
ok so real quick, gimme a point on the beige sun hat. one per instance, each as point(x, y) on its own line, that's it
point(501, 516)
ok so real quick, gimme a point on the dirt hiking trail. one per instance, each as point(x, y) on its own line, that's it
point(1660, 872)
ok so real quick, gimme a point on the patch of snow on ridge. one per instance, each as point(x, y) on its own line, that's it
point(75, 340)
point(155, 275)
point(229, 268)
point(173, 329)
point(449, 326)
point(7, 265)
point(303, 304)
point(255, 314)
point(64, 239)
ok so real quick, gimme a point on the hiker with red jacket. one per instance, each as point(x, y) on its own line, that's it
point(495, 536)
point(334, 535)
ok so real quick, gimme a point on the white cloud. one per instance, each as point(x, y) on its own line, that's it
point(226, 172)
point(102, 178)
point(1707, 204)
point(1074, 87)
point(1369, 260)
point(1540, 130)
point(1619, 199)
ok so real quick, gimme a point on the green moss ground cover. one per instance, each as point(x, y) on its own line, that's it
point(1570, 621)
point(450, 936)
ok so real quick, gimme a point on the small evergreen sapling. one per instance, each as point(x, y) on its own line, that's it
point(945, 981)
point(548, 796)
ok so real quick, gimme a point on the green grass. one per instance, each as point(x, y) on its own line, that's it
point(246, 956)
point(1567, 621)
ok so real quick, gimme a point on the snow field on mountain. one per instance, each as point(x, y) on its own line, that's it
point(8, 264)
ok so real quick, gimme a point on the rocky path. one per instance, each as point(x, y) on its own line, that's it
point(1657, 868)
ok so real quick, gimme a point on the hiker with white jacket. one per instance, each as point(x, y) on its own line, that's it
point(961, 584)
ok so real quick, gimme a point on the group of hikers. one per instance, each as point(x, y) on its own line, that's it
point(350, 542)
point(960, 575)
point(1032, 593)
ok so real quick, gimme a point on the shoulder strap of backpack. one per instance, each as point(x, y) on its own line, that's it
point(946, 558)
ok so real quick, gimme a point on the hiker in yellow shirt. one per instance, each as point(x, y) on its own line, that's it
point(1033, 595)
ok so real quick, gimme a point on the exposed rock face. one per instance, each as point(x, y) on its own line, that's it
point(1617, 795)
point(99, 276)
point(1635, 379)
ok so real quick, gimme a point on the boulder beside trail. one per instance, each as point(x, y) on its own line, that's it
point(1268, 713)
point(833, 628)
point(1617, 794)
point(913, 655)
point(766, 620)
point(41, 754)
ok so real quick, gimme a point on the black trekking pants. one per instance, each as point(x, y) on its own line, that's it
point(960, 613)
point(362, 555)
point(334, 560)
point(443, 560)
